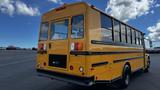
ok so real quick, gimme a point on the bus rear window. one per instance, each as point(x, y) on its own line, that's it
point(44, 31)
point(59, 30)
point(77, 26)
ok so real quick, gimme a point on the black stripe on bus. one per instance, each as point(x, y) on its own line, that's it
point(115, 43)
point(108, 81)
point(103, 53)
point(127, 59)
point(41, 52)
point(99, 64)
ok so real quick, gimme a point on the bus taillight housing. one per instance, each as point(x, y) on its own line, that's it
point(77, 46)
point(41, 46)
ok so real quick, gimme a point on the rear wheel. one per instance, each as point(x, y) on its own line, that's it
point(148, 66)
point(124, 82)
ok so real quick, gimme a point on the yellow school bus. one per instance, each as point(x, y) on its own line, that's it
point(80, 44)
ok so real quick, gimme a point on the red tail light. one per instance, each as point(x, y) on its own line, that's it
point(41, 46)
point(78, 46)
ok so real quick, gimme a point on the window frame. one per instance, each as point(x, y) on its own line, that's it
point(124, 34)
point(128, 34)
point(114, 30)
point(83, 25)
point(58, 20)
point(41, 30)
point(112, 27)
point(133, 37)
point(140, 38)
point(137, 37)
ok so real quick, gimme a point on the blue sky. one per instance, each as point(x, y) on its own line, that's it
point(20, 19)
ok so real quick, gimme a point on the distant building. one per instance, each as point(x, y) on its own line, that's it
point(157, 48)
point(13, 48)
point(33, 48)
point(2, 48)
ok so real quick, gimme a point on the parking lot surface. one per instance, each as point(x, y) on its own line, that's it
point(17, 72)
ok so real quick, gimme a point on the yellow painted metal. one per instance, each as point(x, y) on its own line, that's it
point(91, 30)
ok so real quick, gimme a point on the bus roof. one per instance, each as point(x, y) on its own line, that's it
point(66, 5)
point(93, 7)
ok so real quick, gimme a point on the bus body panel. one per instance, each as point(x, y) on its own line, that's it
point(68, 11)
point(102, 62)
point(114, 69)
point(62, 47)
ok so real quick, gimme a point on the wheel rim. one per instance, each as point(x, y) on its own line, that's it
point(127, 79)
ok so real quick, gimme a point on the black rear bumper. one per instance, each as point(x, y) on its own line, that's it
point(85, 81)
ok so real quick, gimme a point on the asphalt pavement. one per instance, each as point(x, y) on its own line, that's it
point(17, 72)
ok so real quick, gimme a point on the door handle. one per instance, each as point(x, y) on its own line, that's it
point(50, 46)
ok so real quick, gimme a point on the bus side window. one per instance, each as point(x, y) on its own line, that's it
point(123, 33)
point(106, 28)
point(116, 31)
point(137, 38)
point(140, 38)
point(128, 35)
point(133, 37)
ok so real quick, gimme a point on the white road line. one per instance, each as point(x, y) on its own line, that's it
point(15, 62)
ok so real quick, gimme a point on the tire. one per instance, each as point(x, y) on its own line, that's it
point(126, 77)
point(148, 66)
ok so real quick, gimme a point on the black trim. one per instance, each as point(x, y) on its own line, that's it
point(108, 81)
point(126, 34)
point(112, 29)
point(102, 53)
point(127, 59)
point(41, 52)
point(102, 81)
point(99, 64)
point(56, 60)
point(115, 43)
point(86, 81)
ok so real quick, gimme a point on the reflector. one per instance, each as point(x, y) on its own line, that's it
point(40, 46)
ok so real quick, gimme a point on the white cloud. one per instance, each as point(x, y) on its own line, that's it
point(57, 1)
point(154, 32)
point(157, 5)
point(128, 9)
point(6, 6)
point(12, 7)
point(152, 12)
point(23, 9)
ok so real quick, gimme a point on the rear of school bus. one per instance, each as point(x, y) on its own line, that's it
point(62, 31)
point(67, 50)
